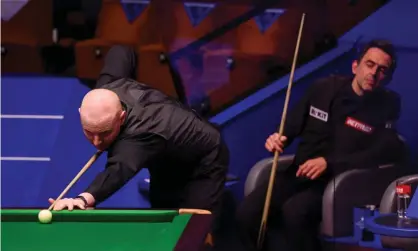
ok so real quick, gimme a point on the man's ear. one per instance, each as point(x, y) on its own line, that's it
point(354, 66)
point(79, 110)
point(122, 116)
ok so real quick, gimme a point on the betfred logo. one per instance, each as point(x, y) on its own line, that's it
point(360, 126)
point(403, 189)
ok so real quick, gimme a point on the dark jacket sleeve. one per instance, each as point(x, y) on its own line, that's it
point(125, 159)
point(297, 115)
point(388, 147)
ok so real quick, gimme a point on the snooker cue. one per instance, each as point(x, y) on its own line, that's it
point(82, 171)
point(262, 230)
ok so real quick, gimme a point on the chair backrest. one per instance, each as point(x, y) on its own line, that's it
point(388, 202)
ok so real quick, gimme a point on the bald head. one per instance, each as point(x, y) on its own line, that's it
point(101, 112)
point(99, 108)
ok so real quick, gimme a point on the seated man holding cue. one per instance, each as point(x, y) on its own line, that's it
point(343, 123)
point(140, 127)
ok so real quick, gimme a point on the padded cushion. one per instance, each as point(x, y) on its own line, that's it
point(260, 172)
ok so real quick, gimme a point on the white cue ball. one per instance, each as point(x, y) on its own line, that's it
point(45, 216)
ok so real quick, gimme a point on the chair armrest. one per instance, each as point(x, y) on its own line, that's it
point(388, 202)
point(260, 172)
point(354, 188)
point(410, 179)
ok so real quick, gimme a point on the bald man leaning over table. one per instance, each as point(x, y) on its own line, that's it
point(140, 127)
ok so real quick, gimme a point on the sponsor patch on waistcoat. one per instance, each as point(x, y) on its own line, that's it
point(319, 114)
point(358, 125)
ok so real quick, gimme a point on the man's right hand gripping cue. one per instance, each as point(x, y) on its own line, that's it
point(311, 169)
point(275, 142)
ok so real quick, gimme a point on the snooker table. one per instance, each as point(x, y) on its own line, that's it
point(105, 230)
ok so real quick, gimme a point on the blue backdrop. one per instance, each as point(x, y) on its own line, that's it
point(60, 150)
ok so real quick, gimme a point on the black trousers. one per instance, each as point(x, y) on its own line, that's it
point(294, 214)
point(120, 62)
point(200, 186)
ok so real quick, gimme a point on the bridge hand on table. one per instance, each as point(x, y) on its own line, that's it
point(67, 203)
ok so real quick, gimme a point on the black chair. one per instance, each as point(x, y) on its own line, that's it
point(346, 191)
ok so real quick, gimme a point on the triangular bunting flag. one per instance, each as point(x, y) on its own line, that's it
point(198, 11)
point(133, 8)
point(11, 8)
point(265, 20)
